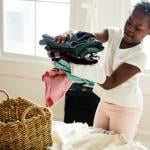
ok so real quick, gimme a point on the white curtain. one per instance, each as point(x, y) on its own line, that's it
point(95, 15)
point(92, 15)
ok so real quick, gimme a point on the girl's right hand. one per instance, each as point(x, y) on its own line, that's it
point(60, 39)
point(64, 37)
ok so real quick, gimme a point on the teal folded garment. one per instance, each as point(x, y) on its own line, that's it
point(80, 45)
point(65, 66)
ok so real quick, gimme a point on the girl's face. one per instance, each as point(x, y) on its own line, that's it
point(136, 28)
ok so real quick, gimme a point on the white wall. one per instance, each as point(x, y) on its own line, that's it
point(144, 127)
point(23, 79)
point(95, 15)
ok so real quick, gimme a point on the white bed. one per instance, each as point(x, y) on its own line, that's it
point(79, 136)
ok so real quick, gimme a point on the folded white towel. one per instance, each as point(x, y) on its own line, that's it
point(93, 72)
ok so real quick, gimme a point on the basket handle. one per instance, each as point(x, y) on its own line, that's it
point(2, 91)
point(29, 109)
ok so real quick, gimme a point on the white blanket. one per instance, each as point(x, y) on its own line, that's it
point(78, 136)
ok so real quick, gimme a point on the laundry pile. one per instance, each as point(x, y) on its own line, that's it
point(79, 136)
point(80, 49)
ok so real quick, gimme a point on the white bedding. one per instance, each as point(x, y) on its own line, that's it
point(78, 136)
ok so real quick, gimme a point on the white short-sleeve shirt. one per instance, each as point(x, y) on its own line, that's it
point(127, 94)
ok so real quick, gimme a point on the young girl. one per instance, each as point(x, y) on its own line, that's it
point(121, 103)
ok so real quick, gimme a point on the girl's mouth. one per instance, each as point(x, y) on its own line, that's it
point(128, 38)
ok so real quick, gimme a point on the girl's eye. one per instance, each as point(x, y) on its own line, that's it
point(128, 22)
point(137, 29)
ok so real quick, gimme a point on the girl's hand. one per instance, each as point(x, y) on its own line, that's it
point(64, 37)
point(60, 39)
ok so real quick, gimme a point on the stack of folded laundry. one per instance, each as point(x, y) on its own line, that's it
point(80, 48)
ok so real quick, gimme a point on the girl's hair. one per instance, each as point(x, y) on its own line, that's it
point(144, 7)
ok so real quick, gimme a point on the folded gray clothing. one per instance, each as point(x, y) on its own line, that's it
point(82, 36)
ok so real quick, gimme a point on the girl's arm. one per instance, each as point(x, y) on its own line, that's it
point(103, 36)
point(119, 76)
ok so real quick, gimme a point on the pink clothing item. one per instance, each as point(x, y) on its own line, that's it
point(56, 85)
point(122, 120)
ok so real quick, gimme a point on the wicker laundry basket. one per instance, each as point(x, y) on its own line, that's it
point(24, 125)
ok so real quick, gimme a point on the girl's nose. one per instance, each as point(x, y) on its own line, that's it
point(131, 29)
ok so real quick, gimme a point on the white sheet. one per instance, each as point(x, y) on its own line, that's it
point(93, 72)
point(78, 136)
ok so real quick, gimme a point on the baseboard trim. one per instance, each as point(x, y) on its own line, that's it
point(143, 136)
point(58, 117)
